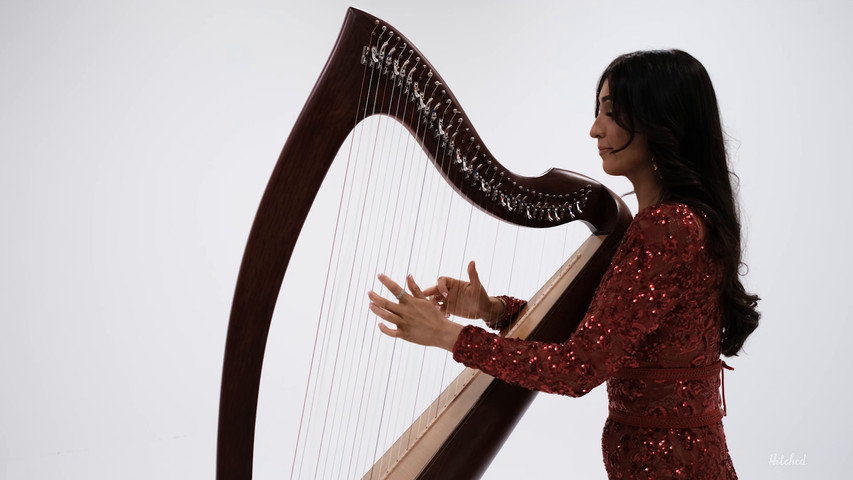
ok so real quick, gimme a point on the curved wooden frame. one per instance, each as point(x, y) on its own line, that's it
point(330, 113)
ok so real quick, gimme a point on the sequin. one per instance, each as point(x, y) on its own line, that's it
point(656, 307)
point(513, 306)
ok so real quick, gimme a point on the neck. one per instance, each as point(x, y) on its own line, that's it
point(648, 189)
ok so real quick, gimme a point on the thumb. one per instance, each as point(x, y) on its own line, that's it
point(473, 277)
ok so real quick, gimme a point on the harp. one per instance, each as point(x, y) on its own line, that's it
point(461, 436)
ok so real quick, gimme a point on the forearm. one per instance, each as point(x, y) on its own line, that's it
point(552, 368)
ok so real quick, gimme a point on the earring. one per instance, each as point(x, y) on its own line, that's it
point(655, 168)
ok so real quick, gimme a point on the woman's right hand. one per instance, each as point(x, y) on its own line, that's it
point(465, 299)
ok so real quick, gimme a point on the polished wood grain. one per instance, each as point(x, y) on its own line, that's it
point(332, 110)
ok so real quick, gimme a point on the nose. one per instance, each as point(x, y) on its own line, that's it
point(596, 131)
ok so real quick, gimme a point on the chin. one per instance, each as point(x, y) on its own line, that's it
point(610, 169)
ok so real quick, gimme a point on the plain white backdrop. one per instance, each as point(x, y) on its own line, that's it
point(136, 139)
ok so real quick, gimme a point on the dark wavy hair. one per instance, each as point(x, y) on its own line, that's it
point(667, 95)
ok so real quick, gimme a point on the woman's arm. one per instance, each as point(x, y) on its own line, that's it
point(641, 287)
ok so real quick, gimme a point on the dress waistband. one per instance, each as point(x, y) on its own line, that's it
point(663, 421)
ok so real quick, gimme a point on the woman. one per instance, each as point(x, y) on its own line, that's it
point(670, 303)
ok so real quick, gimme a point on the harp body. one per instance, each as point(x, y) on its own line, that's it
point(368, 62)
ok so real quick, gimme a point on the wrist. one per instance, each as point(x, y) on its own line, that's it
point(497, 307)
point(451, 334)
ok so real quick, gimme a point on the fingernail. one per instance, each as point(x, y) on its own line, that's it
point(444, 294)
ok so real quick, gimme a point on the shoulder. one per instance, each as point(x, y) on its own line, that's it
point(669, 224)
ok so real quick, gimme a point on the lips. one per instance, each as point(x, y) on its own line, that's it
point(604, 150)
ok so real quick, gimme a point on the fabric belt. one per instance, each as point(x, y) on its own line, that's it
point(664, 421)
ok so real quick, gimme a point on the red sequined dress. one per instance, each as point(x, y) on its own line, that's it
point(652, 332)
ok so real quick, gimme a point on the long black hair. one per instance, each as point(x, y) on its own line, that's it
point(667, 95)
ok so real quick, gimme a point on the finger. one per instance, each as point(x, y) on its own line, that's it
point(382, 302)
point(431, 291)
point(391, 332)
point(473, 276)
point(414, 288)
point(391, 285)
point(441, 286)
point(384, 314)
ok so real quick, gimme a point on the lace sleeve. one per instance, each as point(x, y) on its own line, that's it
point(639, 290)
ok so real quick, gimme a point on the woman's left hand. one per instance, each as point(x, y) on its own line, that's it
point(416, 318)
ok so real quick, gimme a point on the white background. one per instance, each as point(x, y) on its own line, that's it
point(136, 139)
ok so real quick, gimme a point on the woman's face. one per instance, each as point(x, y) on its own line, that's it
point(633, 161)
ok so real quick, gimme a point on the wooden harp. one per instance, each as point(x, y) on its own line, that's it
point(461, 439)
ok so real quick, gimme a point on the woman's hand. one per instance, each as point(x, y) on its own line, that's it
point(465, 299)
point(416, 318)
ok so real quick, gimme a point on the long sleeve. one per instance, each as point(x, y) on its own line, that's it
point(642, 288)
point(512, 308)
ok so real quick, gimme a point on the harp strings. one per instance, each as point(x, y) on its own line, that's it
point(394, 215)
point(307, 443)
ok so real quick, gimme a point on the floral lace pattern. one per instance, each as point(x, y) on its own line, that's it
point(656, 306)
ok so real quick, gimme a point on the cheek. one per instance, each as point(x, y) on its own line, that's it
point(619, 137)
